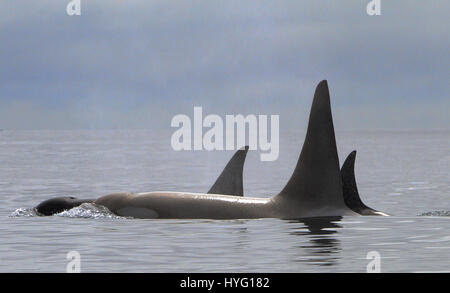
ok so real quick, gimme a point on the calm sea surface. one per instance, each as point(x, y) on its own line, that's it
point(403, 173)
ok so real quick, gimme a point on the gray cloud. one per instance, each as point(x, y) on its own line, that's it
point(134, 64)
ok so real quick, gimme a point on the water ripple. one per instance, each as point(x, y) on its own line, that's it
point(436, 214)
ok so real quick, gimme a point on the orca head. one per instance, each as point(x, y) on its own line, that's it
point(58, 204)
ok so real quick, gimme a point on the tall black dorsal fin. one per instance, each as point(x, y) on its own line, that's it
point(316, 181)
point(350, 190)
point(230, 181)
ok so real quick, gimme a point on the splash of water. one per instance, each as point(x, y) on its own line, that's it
point(23, 212)
point(86, 211)
point(89, 211)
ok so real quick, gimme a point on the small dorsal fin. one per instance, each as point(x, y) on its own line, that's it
point(316, 180)
point(230, 181)
point(350, 190)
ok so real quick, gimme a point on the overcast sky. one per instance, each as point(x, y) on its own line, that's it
point(135, 64)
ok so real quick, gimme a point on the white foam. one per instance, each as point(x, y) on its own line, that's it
point(23, 212)
point(90, 211)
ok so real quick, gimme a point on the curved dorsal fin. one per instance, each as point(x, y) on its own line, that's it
point(230, 181)
point(350, 190)
point(316, 181)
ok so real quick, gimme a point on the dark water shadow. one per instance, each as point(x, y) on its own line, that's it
point(322, 247)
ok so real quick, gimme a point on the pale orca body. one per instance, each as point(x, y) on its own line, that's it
point(184, 205)
point(314, 190)
point(229, 182)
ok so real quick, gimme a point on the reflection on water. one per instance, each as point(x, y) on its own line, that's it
point(322, 248)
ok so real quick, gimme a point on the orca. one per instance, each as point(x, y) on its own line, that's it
point(315, 188)
point(229, 182)
point(350, 190)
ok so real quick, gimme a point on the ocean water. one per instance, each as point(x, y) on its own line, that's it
point(403, 173)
